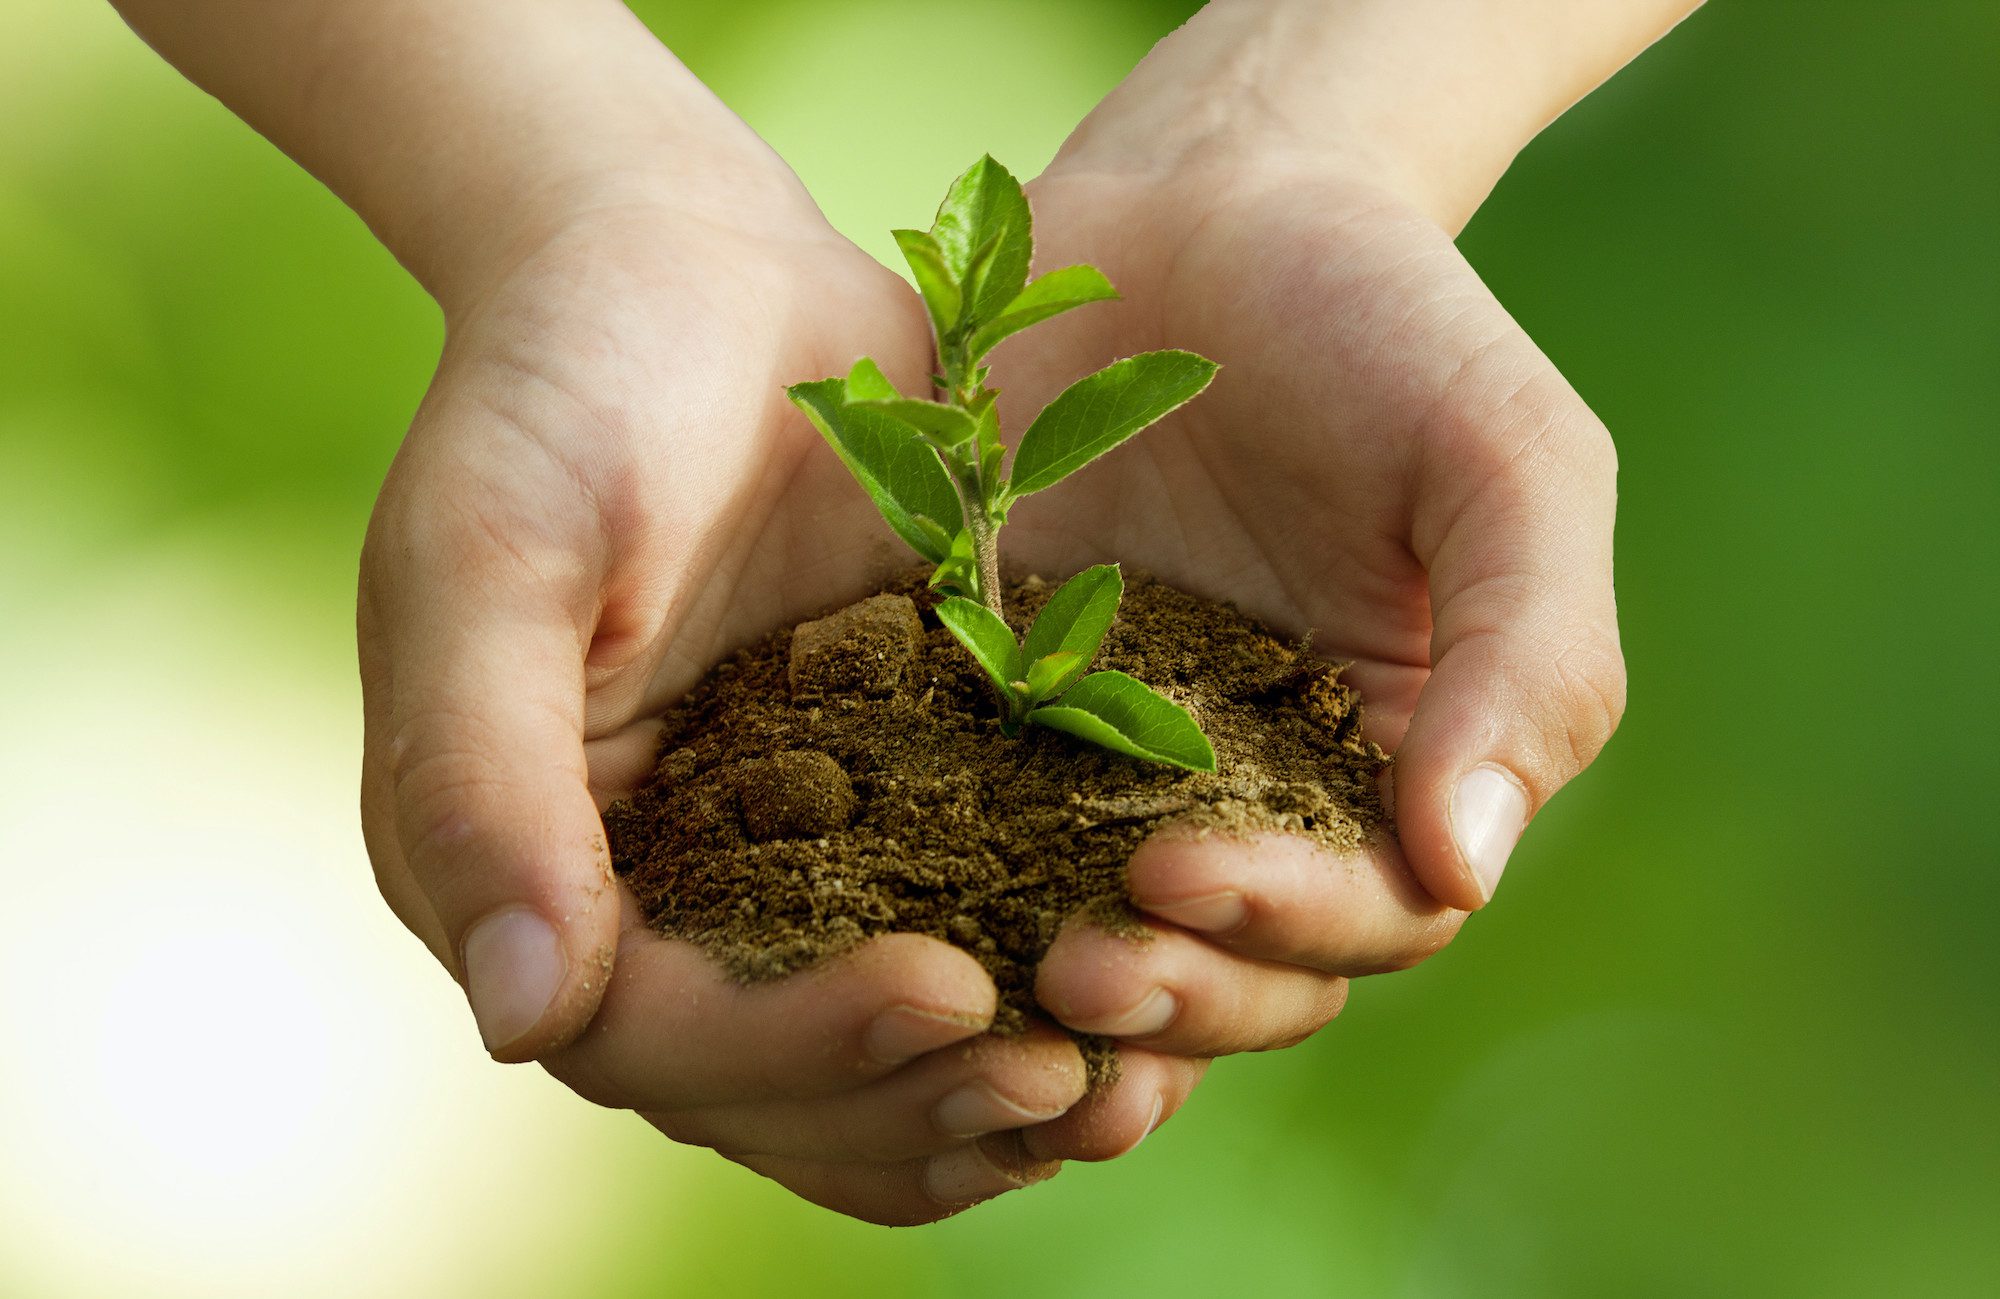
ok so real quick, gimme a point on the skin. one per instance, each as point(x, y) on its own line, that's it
point(605, 490)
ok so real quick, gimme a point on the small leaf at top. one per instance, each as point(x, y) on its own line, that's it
point(981, 630)
point(866, 382)
point(1048, 674)
point(986, 203)
point(948, 425)
point(934, 278)
point(1128, 716)
point(1076, 618)
point(1099, 411)
point(1050, 295)
point(898, 469)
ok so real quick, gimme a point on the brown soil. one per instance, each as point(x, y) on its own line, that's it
point(847, 778)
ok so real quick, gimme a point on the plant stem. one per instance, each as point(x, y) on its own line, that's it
point(986, 554)
point(962, 390)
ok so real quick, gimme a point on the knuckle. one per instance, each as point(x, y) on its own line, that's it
point(775, 1077)
point(1569, 691)
point(439, 794)
point(882, 1146)
point(1286, 1042)
point(1591, 685)
point(1537, 436)
point(685, 1128)
point(1323, 1005)
point(1592, 446)
point(473, 526)
point(1421, 943)
point(448, 793)
point(612, 1080)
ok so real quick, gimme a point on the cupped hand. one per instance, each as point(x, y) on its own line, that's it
point(605, 491)
point(1385, 461)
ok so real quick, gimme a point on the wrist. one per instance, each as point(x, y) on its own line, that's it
point(636, 149)
point(466, 133)
point(703, 200)
point(1427, 100)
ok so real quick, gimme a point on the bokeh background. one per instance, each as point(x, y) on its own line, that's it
point(1731, 1029)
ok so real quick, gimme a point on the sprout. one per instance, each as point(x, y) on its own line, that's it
point(939, 472)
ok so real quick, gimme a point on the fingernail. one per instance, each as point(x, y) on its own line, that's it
point(970, 1173)
point(1217, 913)
point(514, 966)
point(1152, 1121)
point(976, 1109)
point(1150, 1016)
point(902, 1033)
point(1489, 809)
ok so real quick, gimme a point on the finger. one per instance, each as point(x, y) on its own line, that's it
point(1527, 681)
point(622, 762)
point(1113, 1120)
point(676, 1032)
point(938, 1103)
point(1176, 993)
point(913, 1191)
point(1282, 898)
point(475, 761)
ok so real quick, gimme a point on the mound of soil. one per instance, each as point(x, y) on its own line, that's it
point(847, 778)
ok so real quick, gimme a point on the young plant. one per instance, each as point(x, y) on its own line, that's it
point(938, 471)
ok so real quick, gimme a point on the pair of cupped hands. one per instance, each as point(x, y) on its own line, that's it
point(606, 490)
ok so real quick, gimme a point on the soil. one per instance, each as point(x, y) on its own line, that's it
point(847, 778)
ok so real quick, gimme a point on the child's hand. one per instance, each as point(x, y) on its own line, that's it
point(1385, 459)
point(606, 490)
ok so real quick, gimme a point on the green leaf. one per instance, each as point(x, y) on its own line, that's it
point(1050, 673)
point(898, 469)
point(948, 425)
point(1099, 411)
point(1128, 716)
point(973, 284)
point(959, 573)
point(1051, 295)
point(866, 382)
point(1076, 618)
point(986, 203)
point(934, 278)
point(981, 630)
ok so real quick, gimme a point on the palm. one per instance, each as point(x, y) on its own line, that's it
point(726, 516)
point(605, 492)
point(622, 429)
point(1289, 486)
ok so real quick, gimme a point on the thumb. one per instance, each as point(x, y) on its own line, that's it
point(1527, 681)
point(481, 719)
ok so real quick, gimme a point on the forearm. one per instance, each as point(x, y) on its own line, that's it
point(1435, 97)
point(464, 131)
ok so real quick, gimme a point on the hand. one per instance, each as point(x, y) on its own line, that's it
point(1386, 461)
point(605, 491)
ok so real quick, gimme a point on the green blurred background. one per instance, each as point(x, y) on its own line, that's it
point(1730, 1030)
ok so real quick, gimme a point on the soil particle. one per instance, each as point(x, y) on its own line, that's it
point(864, 649)
point(799, 794)
point(848, 778)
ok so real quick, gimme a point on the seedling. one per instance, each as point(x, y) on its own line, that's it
point(938, 471)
